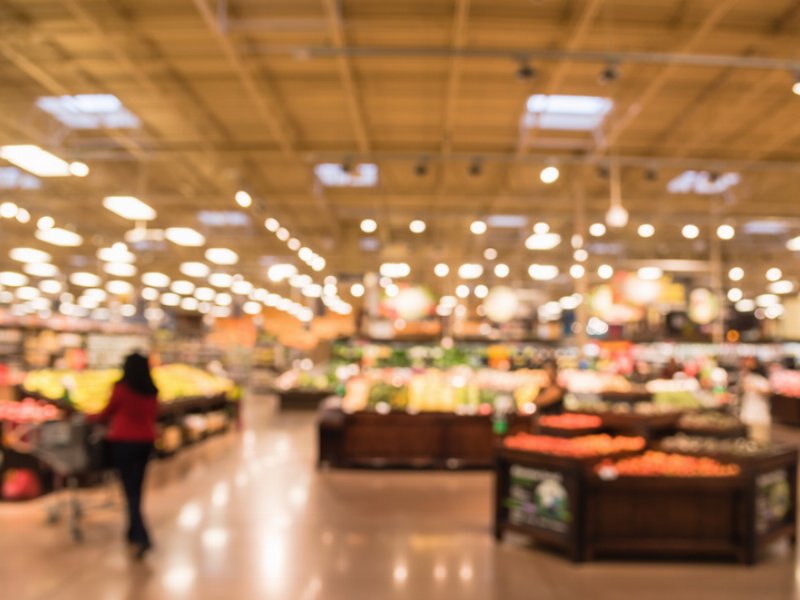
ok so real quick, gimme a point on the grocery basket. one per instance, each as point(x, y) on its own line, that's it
point(66, 448)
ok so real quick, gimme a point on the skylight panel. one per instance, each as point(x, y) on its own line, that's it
point(360, 175)
point(569, 113)
point(11, 178)
point(702, 182)
point(89, 111)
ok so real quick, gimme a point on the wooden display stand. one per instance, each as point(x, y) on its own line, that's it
point(298, 399)
point(785, 410)
point(427, 440)
point(650, 427)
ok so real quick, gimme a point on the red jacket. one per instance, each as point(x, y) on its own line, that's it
point(131, 416)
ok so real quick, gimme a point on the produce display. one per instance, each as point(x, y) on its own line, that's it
point(89, 391)
point(785, 383)
point(691, 444)
point(621, 408)
point(709, 420)
point(571, 421)
point(299, 379)
point(28, 411)
point(662, 464)
point(460, 390)
point(596, 382)
point(586, 446)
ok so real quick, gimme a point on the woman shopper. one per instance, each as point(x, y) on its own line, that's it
point(131, 417)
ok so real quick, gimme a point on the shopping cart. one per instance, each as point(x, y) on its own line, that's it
point(69, 448)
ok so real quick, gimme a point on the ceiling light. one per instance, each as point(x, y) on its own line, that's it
point(23, 216)
point(725, 232)
point(462, 291)
point(205, 294)
point(242, 288)
point(543, 272)
point(8, 210)
point(470, 271)
point(576, 241)
point(190, 304)
point(646, 230)
point(252, 308)
point(736, 274)
point(185, 236)
point(774, 274)
point(580, 255)
point(650, 273)
point(89, 111)
point(542, 241)
point(119, 269)
point(243, 199)
point(745, 306)
point(357, 290)
point(735, 294)
point(50, 286)
point(194, 269)
point(27, 293)
point(281, 271)
point(605, 271)
point(478, 227)
point(441, 270)
point(775, 311)
point(690, 232)
point(88, 302)
point(347, 175)
point(318, 263)
point(156, 280)
point(59, 237)
point(417, 226)
point(577, 271)
point(369, 226)
point(490, 254)
point(702, 182)
point(781, 287)
point(149, 293)
point(283, 234)
point(84, 279)
point(501, 270)
point(78, 169)
point(35, 160)
point(765, 300)
point(525, 72)
point(220, 280)
point(117, 253)
point(170, 299)
point(597, 230)
point(29, 255)
point(294, 244)
point(570, 302)
point(481, 291)
point(222, 256)
point(272, 224)
point(182, 287)
point(127, 310)
point(566, 112)
point(119, 287)
point(392, 290)
point(129, 207)
point(313, 290)
point(796, 86)
point(395, 270)
point(45, 223)
point(305, 254)
point(300, 281)
point(617, 216)
point(549, 174)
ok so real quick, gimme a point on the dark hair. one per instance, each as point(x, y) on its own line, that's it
point(136, 375)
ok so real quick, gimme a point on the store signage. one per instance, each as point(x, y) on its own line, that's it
point(538, 498)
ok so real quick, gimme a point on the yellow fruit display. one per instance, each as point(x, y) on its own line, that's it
point(89, 391)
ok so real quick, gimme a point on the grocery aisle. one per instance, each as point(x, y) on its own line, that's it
point(247, 516)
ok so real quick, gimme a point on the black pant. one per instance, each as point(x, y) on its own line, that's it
point(130, 460)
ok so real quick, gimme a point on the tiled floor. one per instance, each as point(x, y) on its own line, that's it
point(247, 516)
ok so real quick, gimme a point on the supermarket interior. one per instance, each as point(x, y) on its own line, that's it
point(348, 299)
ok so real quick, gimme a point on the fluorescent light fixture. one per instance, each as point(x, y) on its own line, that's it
point(774, 274)
point(50, 286)
point(300, 281)
point(765, 227)
point(294, 244)
point(462, 291)
point(29, 255)
point(222, 256)
point(95, 294)
point(597, 230)
point(617, 216)
point(205, 294)
point(243, 199)
point(563, 112)
point(736, 274)
point(272, 224)
point(470, 271)
point(220, 280)
point(89, 111)
point(11, 178)
point(189, 304)
point(283, 234)
point(543, 272)
point(185, 236)
point(501, 270)
point(59, 237)
point(129, 207)
point(170, 299)
point(281, 271)
point(441, 270)
point(8, 210)
point(120, 269)
point(150, 294)
point(182, 287)
point(223, 218)
point(745, 306)
point(735, 294)
point(481, 291)
point(690, 232)
point(395, 270)
point(84, 279)
point(478, 227)
point(549, 174)
point(194, 269)
point(118, 253)
point(360, 175)
point(507, 221)
point(252, 308)
point(155, 279)
point(646, 230)
point(543, 241)
point(369, 225)
point(577, 271)
point(765, 300)
point(605, 271)
point(118, 287)
point(318, 263)
point(650, 273)
point(35, 160)
point(313, 290)
point(242, 288)
point(27, 293)
point(417, 226)
point(781, 287)
point(702, 182)
point(223, 299)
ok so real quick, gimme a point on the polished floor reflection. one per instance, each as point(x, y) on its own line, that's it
point(247, 516)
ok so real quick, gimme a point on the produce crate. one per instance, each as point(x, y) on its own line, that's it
point(401, 440)
point(650, 427)
point(683, 517)
point(785, 410)
point(301, 399)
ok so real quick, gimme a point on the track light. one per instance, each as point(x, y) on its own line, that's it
point(525, 72)
point(475, 167)
point(796, 84)
point(347, 165)
point(421, 168)
point(609, 74)
point(651, 174)
point(602, 171)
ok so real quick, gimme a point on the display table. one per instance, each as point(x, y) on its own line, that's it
point(650, 427)
point(301, 399)
point(564, 503)
point(785, 410)
point(432, 440)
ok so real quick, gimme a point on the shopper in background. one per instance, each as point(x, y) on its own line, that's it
point(551, 397)
point(753, 392)
point(131, 416)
